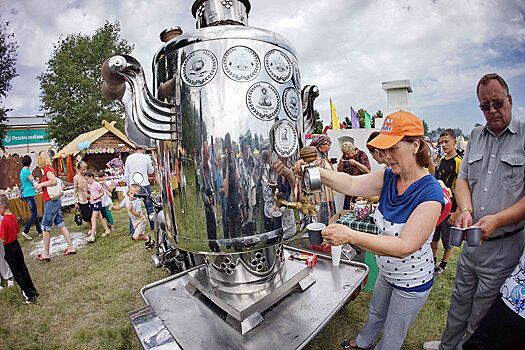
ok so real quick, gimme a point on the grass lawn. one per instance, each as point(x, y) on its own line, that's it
point(85, 299)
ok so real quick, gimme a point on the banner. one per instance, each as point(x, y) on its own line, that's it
point(354, 119)
point(368, 121)
point(16, 137)
point(335, 120)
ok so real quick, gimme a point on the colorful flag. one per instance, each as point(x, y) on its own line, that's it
point(354, 119)
point(368, 121)
point(335, 120)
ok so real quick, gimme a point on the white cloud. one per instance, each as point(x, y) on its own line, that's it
point(345, 47)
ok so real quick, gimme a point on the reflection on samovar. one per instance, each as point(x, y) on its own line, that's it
point(226, 103)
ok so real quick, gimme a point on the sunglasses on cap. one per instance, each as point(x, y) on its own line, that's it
point(497, 105)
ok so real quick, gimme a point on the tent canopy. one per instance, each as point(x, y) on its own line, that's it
point(92, 136)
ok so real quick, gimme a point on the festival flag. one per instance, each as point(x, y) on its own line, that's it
point(354, 119)
point(368, 121)
point(335, 120)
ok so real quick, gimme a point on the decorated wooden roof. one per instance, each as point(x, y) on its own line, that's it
point(92, 136)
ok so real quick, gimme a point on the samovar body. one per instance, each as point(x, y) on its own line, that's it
point(226, 104)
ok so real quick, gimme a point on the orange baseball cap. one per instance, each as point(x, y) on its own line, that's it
point(396, 126)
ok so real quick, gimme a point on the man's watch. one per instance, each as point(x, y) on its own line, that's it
point(466, 209)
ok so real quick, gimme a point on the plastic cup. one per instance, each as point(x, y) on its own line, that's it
point(336, 254)
point(473, 236)
point(314, 232)
point(456, 236)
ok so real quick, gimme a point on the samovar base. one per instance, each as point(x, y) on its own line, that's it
point(244, 311)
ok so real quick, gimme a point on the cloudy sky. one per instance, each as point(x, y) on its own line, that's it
point(345, 47)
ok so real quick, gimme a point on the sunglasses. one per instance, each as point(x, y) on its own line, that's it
point(497, 105)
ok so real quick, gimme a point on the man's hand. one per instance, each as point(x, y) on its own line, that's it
point(488, 225)
point(38, 186)
point(280, 168)
point(337, 234)
point(464, 220)
point(352, 162)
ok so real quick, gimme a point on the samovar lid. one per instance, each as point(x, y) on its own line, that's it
point(220, 12)
point(170, 33)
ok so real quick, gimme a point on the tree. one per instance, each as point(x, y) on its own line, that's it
point(425, 127)
point(7, 72)
point(348, 122)
point(434, 134)
point(71, 86)
point(318, 128)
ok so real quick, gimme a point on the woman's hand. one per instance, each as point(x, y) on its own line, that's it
point(337, 234)
point(76, 205)
point(38, 186)
point(297, 168)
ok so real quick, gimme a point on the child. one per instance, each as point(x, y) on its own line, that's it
point(447, 172)
point(95, 203)
point(106, 199)
point(13, 253)
point(134, 207)
point(5, 271)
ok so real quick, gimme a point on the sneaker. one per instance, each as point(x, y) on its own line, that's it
point(431, 345)
point(439, 269)
point(27, 236)
point(31, 300)
point(10, 283)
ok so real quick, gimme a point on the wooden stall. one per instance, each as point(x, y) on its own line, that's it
point(102, 144)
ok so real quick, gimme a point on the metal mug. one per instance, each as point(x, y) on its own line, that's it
point(314, 232)
point(456, 236)
point(473, 236)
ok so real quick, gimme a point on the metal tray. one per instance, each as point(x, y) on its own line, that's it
point(195, 323)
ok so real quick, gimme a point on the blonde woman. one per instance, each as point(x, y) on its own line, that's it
point(52, 208)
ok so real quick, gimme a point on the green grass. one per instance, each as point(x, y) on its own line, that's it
point(85, 298)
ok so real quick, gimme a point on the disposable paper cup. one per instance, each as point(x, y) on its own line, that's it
point(473, 236)
point(314, 232)
point(456, 236)
point(336, 254)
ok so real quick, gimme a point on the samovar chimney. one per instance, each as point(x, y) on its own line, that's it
point(220, 12)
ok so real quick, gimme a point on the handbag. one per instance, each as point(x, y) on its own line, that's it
point(78, 217)
point(55, 192)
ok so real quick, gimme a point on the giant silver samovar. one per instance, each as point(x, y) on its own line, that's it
point(227, 101)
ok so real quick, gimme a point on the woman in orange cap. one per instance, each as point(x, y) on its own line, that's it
point(409, 206)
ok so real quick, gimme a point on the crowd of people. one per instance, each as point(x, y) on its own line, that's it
point(423, 192)
point(92, 194)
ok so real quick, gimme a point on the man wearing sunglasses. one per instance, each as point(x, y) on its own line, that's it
point(490, 193)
